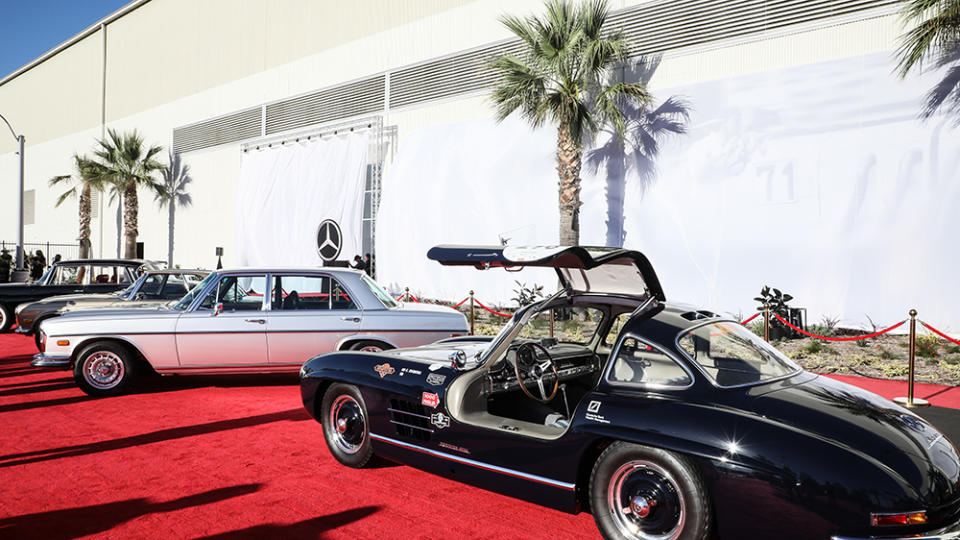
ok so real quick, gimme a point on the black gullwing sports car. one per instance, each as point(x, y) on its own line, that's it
point(663, 421)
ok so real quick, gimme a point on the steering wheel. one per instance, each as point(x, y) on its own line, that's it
point(536, 370)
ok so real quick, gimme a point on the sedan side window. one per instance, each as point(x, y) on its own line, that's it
point(237, 293)
point(309, 292)
point(151, 286)
point(69, 275)
point(174, 288)
point(639, 363)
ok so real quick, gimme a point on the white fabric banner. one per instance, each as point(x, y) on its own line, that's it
point(287, 191)
point(817, 179)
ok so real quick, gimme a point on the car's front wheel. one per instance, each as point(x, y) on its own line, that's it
point(642, 493)
point(345, 427)
point(104, 369)
point(6, 318)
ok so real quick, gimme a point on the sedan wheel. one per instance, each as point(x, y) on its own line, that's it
point(369, 346)
point(103, 369)
point(345, 428)
point(641, 493)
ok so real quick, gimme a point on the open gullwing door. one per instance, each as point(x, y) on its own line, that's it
point(581, 269)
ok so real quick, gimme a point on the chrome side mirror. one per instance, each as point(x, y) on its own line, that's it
point(217, 309)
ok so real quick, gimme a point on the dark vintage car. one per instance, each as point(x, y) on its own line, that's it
point(152, 289)
point(663, 421)
point(81, 276)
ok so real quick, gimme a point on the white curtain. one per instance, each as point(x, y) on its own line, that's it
point(817, 179)
point(285, 193)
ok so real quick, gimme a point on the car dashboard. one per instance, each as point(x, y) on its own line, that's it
point(572, 361)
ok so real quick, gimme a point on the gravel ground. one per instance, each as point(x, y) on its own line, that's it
point(884, 357)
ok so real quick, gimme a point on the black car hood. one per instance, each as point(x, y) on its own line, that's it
point(854, 418)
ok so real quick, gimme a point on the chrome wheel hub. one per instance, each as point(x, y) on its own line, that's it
point(347, 423)
point(103, 370)
point(645, 502)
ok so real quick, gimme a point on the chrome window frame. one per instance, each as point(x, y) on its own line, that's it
point(689, 329)
point(618, 343)
point(216, 282)
point(307, 273)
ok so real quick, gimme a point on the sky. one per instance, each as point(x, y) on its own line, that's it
point(29, 28)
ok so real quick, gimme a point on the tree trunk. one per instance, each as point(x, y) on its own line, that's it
point(130, 209)
point(173, 207)
point(569, 154)
point(84, 235)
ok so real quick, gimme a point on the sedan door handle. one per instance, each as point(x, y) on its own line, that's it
point(354, 319)
point(258, 321)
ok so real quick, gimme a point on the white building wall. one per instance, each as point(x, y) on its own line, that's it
point(175, 62)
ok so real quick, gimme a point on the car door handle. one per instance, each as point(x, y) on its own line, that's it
point(354, 319)
point(258, 321)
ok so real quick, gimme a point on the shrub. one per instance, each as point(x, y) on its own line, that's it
point(927, 346)
point(894, 370)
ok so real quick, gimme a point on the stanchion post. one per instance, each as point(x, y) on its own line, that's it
point(552, 319)
point(471, 313)
point(766, 322)
point(406, 295)
point(910, 401)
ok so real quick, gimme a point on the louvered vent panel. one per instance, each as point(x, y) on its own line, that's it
point(226, 129)
point(650, 28)
point(450, 76)
point(344, 101)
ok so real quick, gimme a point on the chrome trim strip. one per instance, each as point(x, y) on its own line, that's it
point(410, 413)
point(428, 430)
point(478, 464)
point(953, 535)
point(254, 330)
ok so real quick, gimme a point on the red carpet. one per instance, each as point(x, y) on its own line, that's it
point(229, 457)
point(224, 457)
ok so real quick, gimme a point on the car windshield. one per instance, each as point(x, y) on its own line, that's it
point(734, 356)
point(383, 295)
point(45, 278)
point(185, 302)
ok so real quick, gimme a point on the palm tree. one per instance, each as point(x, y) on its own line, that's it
point(561, 76)
point(86, 180)
point(123, 162)
point(637, 150)
point(172, 192)
point(935, 39)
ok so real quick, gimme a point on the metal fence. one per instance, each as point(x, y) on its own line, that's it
point(49, 249)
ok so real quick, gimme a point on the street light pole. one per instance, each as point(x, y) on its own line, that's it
point(19, 272)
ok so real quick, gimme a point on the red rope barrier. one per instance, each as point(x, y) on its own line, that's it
point(755, 315)
point(412, 297)
point(490, 310)
point(939, 333)
point(461, 302)
point(852, 338)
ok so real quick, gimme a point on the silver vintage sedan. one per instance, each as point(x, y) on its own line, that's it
point(240, 321)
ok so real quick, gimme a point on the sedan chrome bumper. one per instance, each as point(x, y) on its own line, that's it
point(44, 360)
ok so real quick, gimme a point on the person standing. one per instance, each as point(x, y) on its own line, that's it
point(368, 264)
point(358, 263)
point(38, 263)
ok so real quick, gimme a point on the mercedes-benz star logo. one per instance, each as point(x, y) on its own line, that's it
point(329, 240)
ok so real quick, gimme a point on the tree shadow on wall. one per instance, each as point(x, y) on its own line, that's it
point(945, 95)
point(98, 518)
point(636, 152)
